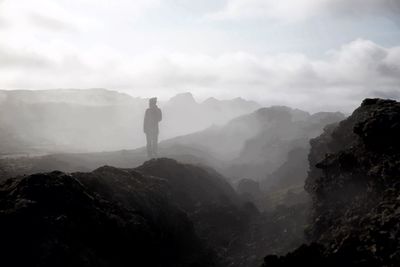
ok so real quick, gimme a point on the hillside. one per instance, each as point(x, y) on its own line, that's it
point(354, 187)
point(259, 144)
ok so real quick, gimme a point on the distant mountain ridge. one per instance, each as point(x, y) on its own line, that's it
point(255, 145)
point(73, 120)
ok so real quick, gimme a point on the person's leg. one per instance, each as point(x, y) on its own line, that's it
point(155, 145)
point(149, 146)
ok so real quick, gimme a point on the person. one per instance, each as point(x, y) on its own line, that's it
point(152, 117)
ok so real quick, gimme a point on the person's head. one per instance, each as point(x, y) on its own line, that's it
point(153, 102)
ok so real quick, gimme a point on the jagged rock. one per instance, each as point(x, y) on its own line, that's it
point(237, 231)
point(163, 213)
point(354, 184)
point(109, 217)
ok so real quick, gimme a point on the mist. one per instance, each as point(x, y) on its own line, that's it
point(100, 120)
point(220, 133)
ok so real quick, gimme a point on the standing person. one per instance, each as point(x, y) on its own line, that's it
point(152, 117)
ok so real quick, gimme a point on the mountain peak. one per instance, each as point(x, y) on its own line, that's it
point(183, 98)
point(210, 100)
point(239, 99)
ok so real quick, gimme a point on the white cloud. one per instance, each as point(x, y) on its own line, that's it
point(289, 10)
point(340, 81)
point(113, 44)
point(84, 14)
point(50, 23)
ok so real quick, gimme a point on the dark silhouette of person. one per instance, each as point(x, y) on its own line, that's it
point(152, 117)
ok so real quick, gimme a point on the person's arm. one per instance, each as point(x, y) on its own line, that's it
point(160, 115)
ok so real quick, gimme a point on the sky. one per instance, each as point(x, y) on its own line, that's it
point(310, 54)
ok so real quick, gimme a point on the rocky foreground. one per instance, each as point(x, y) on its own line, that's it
point(56, 219)
point(162, 213)
point(354, 182)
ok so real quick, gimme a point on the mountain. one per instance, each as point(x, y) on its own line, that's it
point(354, 185)
point(183, 115)
point(71, 120)
point(256, 145)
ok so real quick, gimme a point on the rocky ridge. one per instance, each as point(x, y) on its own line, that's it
point(355, 187)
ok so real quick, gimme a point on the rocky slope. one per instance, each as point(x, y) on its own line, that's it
point(354, 184)
point(256, 145)
point(163, 213)
point(210, 202)
point(233, 227)
point(282, 134)
point(109, 217)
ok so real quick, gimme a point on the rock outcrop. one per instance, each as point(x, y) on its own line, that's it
point(163, 213)
point(355, 187)
point(210, 202)
point(109, 217)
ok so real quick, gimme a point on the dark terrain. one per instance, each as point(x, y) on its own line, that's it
point(354, 185)
point(162, 213)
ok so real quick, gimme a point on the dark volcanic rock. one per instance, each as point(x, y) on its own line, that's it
point(355, 187)
point(236, 230)
point(109, 217)
point(275, 232)
point(210, 202)
point(162, 213)
point(191, 185)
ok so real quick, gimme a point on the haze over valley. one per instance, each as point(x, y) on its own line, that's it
point(214, 133)
point(100, 120)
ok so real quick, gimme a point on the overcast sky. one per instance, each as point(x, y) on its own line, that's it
point(311, 54)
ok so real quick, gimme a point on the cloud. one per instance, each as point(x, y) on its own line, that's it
point(71, 15)
point(114, 44)
point(26, 17)
point(3, 23)
point(15, 60)
point(288, 10)
point(340, 81)
point(50, 23)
